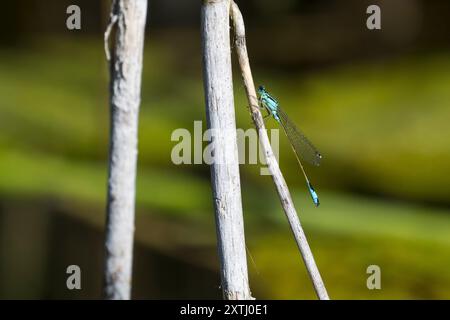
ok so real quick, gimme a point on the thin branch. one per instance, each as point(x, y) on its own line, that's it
point(112, 21)
point(129, 16)
point(277, 176)
point(225, 178)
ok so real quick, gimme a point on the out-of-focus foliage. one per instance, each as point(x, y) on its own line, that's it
point(382, 127)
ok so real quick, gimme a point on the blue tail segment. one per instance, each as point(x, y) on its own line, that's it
point(314, 195)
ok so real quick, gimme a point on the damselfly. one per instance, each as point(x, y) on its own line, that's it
point(300, 144)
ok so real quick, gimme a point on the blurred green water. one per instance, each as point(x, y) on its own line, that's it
point(382, 127)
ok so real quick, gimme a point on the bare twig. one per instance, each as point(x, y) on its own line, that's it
point(112, 21)
point(278, 179)
point(225, 168)
point(129, 16)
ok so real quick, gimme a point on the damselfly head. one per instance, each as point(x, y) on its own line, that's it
point(261, 89)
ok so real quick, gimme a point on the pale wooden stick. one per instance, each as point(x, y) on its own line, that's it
point(225, 179)
point(277, 176)
point(129, 16)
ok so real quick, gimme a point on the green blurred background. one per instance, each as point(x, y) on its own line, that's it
point(375, 103)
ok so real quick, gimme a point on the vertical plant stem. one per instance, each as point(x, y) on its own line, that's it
point(225, 178)
point(277, 176)
point(129, 17)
